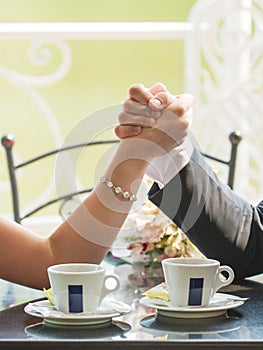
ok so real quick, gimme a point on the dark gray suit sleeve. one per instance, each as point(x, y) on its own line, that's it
point(220, 223)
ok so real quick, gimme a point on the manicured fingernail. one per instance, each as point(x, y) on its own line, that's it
point(156, 102)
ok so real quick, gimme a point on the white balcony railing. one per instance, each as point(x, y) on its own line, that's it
point(96, 30)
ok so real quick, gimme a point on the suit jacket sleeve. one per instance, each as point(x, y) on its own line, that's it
point(220, 223)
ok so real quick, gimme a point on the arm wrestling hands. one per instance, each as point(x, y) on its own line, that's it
point(145, 107)
point(103, 211)
point(227, 228)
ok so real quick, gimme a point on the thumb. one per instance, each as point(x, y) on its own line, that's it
point(161, 100)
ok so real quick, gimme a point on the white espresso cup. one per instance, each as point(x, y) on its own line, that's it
point(80, 287)
point(194, 282)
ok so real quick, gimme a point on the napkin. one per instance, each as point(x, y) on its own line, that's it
point(108, 307)
point(158, 292)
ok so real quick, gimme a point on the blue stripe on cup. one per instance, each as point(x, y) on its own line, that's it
point(195, 291)
point(75, 298)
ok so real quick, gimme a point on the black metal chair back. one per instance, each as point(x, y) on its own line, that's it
point(8, 142)
point(234, 138)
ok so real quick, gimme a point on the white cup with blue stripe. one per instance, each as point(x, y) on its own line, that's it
point(194, 282)
point(79, 287)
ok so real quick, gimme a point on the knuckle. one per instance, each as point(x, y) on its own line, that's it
point(135, 88)
point(159, 87)
point(162, 96)
point(180, 111)
point(126, 104)
point(185, 124)
point(117, 131)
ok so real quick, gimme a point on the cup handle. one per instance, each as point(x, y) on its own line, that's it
point(222, 280)
point(105, 289)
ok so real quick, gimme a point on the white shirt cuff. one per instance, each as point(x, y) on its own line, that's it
point(164, 168)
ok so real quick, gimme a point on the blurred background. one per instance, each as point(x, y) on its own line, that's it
point(49, 83)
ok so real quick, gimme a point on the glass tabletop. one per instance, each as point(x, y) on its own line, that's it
point(143, 326)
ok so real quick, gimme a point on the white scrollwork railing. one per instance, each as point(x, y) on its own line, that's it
point(222, 68)
point(39, 54)
point(96, 30)
point(50, 42)
point(224, 62)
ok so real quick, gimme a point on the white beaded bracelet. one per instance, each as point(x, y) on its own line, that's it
point(118, 190)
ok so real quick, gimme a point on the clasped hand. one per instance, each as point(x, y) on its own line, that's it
point(157, 116)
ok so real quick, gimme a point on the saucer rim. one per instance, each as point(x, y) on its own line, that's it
point(149, 302)
point(74, 319)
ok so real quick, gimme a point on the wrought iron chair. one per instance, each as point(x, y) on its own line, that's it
point(234, 138)
point(8, 142)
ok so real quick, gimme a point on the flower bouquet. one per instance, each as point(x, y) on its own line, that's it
point(149, 236)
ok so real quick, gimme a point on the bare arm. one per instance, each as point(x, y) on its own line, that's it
point(25, 256)
point(87, 235)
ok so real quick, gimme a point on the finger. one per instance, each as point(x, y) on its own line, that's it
point(178, 104)
point(188, 116)
point(161, 100)
point(158, 87)
point(135, 119)
point(155, 89)
point(125, 131)
point(134, 107)
point(181, 104)
point(138, 92)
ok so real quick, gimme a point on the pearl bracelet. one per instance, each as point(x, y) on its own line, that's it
point(118, 190)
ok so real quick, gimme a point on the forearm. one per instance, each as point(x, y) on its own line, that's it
point(89, 232)
point(221, 224)
point(85, 237)
point(24, 255)
point(97, 221)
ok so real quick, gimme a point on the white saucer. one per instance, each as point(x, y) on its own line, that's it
point(220, 303)
point(105, 313)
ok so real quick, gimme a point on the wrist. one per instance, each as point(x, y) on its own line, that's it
point(139, 150)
